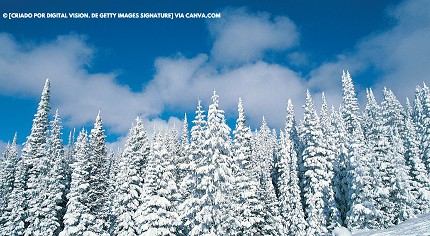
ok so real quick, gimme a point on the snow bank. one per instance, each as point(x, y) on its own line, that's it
point(417, 226)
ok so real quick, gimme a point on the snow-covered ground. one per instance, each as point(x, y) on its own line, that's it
point(417, 226)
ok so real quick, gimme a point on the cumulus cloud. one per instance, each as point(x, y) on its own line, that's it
point(264, 87)
point(399, 54)
point(78, 94)
point(241, 36)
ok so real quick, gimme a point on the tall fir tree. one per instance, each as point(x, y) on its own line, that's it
point(33, 153)
point(56, 181)
point(264, 152)
point(130, 191)
point(340, 173)
point(14, 216)
point(424, 128)
point(349, 109)
point(420, 182)
point(321, 209)
point(214, 176)
point(362, 212)
point(79, 217)
point(7, 178)
point(290, 201)
point(247, 208)
point(183, 161)
point(360, 205)
point(190, 204)
point(99, 175)
point(157, 215)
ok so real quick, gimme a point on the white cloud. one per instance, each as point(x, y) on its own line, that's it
point(78, 94)
point(400, 53)
point(241, 36)
point(264, 87)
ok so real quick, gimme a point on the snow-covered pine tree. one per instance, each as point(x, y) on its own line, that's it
point(7, 177)
point(113, 160)
point(290, 201)
point(340, 180)
point(185, 142)
point(190, 204)
point(157, 214)
point(247, 208)
point(403, 197)
point(33, 153)
point(349, 112)
point(14, 216)
point(378, 141)
point(79, 218)
point(417, 112)
point(401, 194)
point(320, 206)
point(99, 175)
point(130, 192)
point(393, 111)
point(263, 151)
point(361, 208)
point(328, 131)
point(424, 128)
point(214, 176)
point(173, 145)
point(183, 161)
point(393, 117)
point(362, 212)
point(420, 182)
point(69, 152)
point(386, 160)
point(56, 183)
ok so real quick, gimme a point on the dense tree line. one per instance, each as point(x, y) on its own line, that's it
point(336, 167)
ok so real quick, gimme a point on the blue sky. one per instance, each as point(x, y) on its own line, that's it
point(262, 51)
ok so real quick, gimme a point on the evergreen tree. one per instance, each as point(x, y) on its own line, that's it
point(393, 117)
point(424, 128)
point(320, 207)
point(420, 182)
point(185, 142)
point(349, 109)
point(290, 202)
point(362, 212)
point(247, 208)
point(7, 177)
point(214, 176)
point(340, 164)
point(263, 151)
point(184, 153)
point(190, 204)
point(33, 153)
point(393, 111)
point(15, 215)
point(56, 182)
point(79, 218)
point(401, 184)
point(130, 191)
point(157, 214)
point(99, 175)
point(113, 160)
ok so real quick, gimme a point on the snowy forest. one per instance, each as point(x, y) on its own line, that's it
point(336, 167)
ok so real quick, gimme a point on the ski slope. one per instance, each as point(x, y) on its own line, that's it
point(417, 226)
